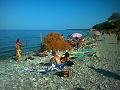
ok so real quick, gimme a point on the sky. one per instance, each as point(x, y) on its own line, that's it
point(55, 14)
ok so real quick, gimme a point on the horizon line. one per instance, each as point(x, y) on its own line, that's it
point(47, 29)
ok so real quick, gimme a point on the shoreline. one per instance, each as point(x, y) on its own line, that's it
point(94, 74)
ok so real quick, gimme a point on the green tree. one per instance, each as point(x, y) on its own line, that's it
point(103, 26)
point(113, 22)
point(114, 17)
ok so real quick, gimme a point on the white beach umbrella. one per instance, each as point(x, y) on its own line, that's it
point(76, 35)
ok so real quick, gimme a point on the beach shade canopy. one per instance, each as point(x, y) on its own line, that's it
point(76, 35)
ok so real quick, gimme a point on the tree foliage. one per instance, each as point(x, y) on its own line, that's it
point(54, 41)
point(113, 22)
point(103, 26)
point(114, 17)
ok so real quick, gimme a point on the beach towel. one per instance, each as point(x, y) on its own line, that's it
point(81, 52)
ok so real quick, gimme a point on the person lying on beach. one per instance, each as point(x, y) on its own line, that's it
point(56, 60)
point(40, 54)
point(29, 58)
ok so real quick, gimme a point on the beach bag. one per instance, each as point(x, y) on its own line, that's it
point(66, 73)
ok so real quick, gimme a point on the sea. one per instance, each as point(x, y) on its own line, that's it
point(31, 39)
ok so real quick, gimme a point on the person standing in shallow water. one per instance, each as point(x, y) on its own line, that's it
point(18, 50)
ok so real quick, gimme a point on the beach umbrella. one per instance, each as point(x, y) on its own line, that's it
point(76, 35)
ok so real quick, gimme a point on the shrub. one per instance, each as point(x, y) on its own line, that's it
point(54, 41)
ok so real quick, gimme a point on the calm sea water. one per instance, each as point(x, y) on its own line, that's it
point(31, 39)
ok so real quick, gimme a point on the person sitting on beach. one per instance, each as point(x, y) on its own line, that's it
point(62, 36)
point(56, 61)
point(66, 59)
point(83, 42)
point(118, 36)
point(56, 58)
point(18, 49)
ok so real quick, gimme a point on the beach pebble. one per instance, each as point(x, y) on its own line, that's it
point(82, 77)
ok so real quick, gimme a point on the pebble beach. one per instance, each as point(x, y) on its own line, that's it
point(101, 73)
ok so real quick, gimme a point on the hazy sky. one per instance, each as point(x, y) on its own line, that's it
point(55, 14)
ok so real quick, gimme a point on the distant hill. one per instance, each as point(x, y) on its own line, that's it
point(111, 24)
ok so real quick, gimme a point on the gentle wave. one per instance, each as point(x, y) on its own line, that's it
point(13, 50)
